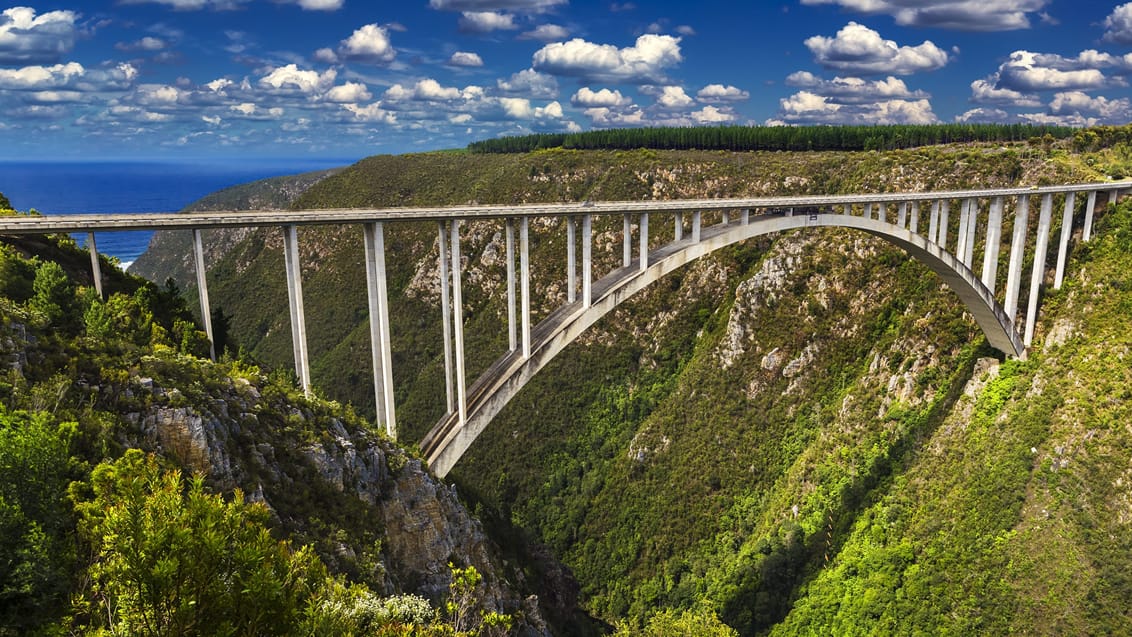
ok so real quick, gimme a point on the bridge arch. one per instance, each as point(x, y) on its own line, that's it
point(446, 443)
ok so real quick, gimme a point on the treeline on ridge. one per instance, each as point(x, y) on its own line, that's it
point(794, 138)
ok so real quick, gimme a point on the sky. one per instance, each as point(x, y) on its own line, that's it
point(117, 79)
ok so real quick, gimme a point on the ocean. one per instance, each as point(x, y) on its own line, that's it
point(71, 187)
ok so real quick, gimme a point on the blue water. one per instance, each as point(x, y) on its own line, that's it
point(70, 187)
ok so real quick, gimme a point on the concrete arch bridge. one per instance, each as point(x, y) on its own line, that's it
point(939, 229)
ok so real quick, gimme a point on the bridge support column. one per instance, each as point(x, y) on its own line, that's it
point(525, 282)
point(1113, 197)
point(678, 223)
point(587, 260)
point(512, 328)
point(944, 218)
point(1090, 207)
point(95, 266)
point(1063, 244)
point(380, 340)
point(697, 221)
point(295, 296)
point(202, 292)
point(933, 224)
point(1017, 255)
point(964, 223)
point(627, 242)
point(1039, 267)
point(847, 209)
point(972, 227)
point(745, 216)
point(914, 222)
point(726, 218)
point(571, 260)
point(458, 325)
point(902, 214)
point(644, 228)
point(993, 243)
point(868, 211)
point(882, 212)
point(446, 315)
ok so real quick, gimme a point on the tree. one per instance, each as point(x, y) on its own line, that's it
point(171, 559)
point(698, 622)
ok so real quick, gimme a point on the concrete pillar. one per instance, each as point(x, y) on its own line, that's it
point(944, 218)
point(512, 326)
point(972, 227)
point(1090, 207)
point(726, 219)
point(993, 243)
point(902, 214)
point(458, 325)
point(868, 211)
point(95, 266)
point(678, 222)
point(697, 220)
point(1063, 244)
point(627, 243)
point(380, 339)
point(571, 261)
point(587, 260)
point(446, 316)
point(745, 216)
point(961, 236)
point(1017, 256)
point(933, 224)
point(295, 296)
point(847, 209)
point(914, 222)
point(202, 292)
point(525, 283)
point(1113, 197)
point(1039, 267)
point(644, 229)
point(882, 212)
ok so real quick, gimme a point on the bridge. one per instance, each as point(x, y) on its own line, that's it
point(940, 229)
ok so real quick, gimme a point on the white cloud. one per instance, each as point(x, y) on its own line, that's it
point(158, 95)
point(349, 93)
point(326, 55)
point(56, 97)
point(721, 93)
point(585, 97)
point(805, 107)
point(429, 90)
point(192, 5)
point(859, 49)
point(1118, 25)
point(465, 58)
point(40, 77)
point(27, 38)
point(962, 15)
point(546, 33)
point(523, 6)
point(642, 63)
point(486, 22)
point(712, 115)
point(986, 116)
point(520, 108)
point(372, 113)
point(369, 43)
point(289, 79)
point(1082, 104)
point(148, 43)
point(319, 5)
point(984, 92)
point(249, 110)
point(604, 117)
point(673, 97)
point(529, 83)
point(1026, 71)
point(854, 89)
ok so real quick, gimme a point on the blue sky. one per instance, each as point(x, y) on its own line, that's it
point(350, 78)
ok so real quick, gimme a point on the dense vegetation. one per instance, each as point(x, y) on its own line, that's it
point(780, 138)
point(99, 537)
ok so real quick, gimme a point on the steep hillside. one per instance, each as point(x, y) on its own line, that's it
point(808, 431)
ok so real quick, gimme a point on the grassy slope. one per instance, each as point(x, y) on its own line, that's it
point(856, 495)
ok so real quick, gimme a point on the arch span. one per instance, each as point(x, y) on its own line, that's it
point(448, 441)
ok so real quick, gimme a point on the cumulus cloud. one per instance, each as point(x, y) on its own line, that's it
point(712, 115)
point(962, 15)
point(429, 90)
point(369, 43)
point(586, 97)
point(192, 5)
point(349, 93)
point(529, 83)
point(1081, 104)
point(26, 38)
point(721, 93)
point(673, 98)
point(148, 43)
point(1026, 71)
point(249, 110)
point(806, 107)
point(40, 77)
point(524, 6)
point(371, 113)
point(292, 80)
point(1118, 25)
point(985, 92)
point(319, 5)
point(546, 33)
point(486, 22)
point(986, 116)
point(465, 58)
point(854, 89)
point(859, 49)
point(641, 63)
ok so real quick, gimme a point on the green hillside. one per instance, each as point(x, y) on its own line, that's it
point(802, 435)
